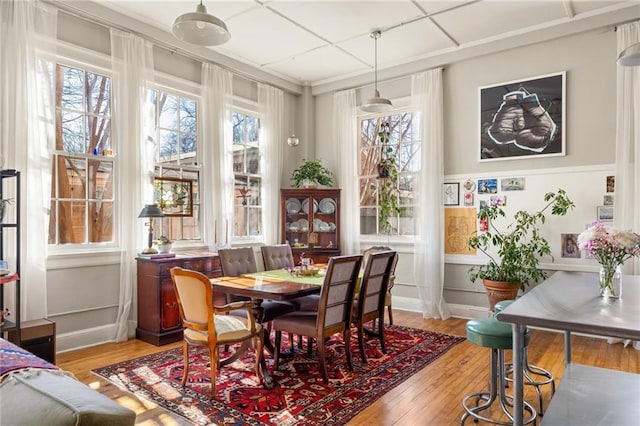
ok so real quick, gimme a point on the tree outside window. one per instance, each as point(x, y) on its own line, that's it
point(82, 198)
point(247, 186)
point(404, 147)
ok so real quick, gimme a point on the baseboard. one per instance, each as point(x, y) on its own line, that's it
point(66, 342)
point(459, 311)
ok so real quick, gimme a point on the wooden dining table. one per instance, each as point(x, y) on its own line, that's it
point(278, 285)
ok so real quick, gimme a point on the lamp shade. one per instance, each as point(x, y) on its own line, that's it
point(377, 104)
point(151, 210)
point(201, 28)
point(630, 56)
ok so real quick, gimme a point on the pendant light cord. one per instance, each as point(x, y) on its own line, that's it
point(376, 35)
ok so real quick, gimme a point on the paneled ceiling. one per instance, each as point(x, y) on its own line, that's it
point(315, 42)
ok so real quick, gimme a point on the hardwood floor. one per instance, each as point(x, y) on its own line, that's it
point(431, 397)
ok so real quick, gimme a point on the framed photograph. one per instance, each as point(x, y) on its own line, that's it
point(569, 246)
point(174, 196)
point(468, 199)
point(512, 184)
point(487, 186)
point(523, 118)
point(607, 199)
point(611, 183)
point(605, 213)
point(451, 193)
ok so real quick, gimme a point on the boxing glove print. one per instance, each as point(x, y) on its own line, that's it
point(509, 120)
point(539, 127)
point(522, 121)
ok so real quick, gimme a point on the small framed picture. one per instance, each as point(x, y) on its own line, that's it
point(608, 199)
point(451, 192)
point(611, 183)
point(487, 186)
point(498, 200)
point(570, 246)
point(512, 184)
point(605, 213)
point(468, 199)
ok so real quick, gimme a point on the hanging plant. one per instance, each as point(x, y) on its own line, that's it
point(388, 181)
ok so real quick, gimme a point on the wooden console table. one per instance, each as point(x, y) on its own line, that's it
point(158, 313)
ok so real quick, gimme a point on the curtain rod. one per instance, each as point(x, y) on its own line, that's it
point(73, 11)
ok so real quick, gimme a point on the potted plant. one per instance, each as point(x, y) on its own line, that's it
point(514, 252)
point(311, 174)
point(388, 181)
point(164, 244)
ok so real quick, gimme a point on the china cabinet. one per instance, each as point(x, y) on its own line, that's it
point(311, 222)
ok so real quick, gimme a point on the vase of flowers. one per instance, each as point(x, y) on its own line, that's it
point(611, 247)
point(164, 244)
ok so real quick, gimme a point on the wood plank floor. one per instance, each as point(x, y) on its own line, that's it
point(431, 397)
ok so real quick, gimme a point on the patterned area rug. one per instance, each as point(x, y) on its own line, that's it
point(299, 397)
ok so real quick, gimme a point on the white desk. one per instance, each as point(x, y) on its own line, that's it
point(570, 301)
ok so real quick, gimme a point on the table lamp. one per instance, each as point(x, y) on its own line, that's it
point(150, 211)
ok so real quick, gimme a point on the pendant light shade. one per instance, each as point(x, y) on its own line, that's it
point(293, 140)
point(377, 103)
point(630, 56)
point(201, 28)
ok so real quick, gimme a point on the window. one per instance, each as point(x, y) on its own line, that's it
point(404, 147)
point(247, 185)
point(82, 198)
point(176, 133)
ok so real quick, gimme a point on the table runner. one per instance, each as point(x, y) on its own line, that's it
point(281, 274)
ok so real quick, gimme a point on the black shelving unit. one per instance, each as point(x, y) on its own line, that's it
point(12, 327)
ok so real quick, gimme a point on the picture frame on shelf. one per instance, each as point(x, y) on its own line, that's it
point(537, 104)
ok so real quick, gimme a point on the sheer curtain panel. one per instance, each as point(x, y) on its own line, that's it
point(426, 95)
point(271, 106)
point(133, 139)
point(217, 173)
point(345, 139)
point(27, 133)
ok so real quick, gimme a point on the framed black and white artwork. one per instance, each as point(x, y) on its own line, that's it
point(523, 118)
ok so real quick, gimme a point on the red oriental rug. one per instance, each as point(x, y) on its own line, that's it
point(299, 396)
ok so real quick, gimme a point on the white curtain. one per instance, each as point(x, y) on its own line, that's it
point(217, 174)
point(427, 96)
point(346, 150)
point(627, 187)
point(271, 106)
point(27, 135)
point(133, 141)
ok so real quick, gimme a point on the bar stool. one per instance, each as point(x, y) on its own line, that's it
point(496, 335)
point(546, 377)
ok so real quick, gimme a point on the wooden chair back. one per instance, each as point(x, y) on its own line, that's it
point(336, 296)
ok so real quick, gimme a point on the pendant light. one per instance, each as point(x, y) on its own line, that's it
point(201, 28)
point(377, 103)
point(630, 57)
point(293, 140)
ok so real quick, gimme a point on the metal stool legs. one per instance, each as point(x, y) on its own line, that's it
point(544, 377)
point(497, 386)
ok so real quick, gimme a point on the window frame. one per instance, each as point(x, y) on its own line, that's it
point(401, 106)
point(246, 107)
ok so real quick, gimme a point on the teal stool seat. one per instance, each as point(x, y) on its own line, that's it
point(501, 306)
point(490, 333)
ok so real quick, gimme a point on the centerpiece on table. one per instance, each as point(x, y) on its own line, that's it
point(611, 247)
point(514, 251)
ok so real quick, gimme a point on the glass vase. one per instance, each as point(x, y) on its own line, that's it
point(610, 281)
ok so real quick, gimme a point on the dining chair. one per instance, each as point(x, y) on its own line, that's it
point(241, 260)
point(392, 279)
point(370, 303)
point(333, 314)
point(278, 256)
point(205, 326)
